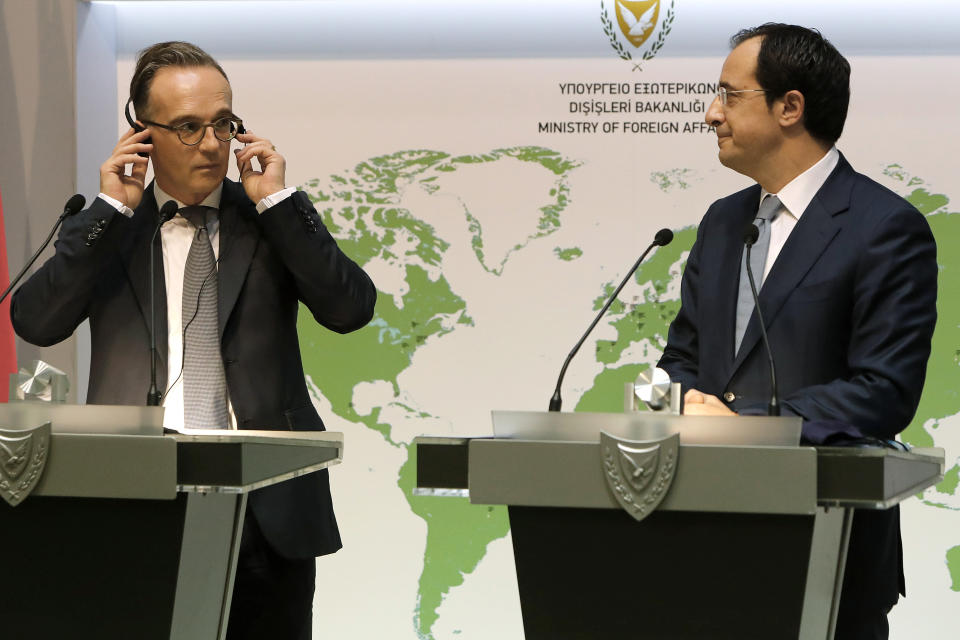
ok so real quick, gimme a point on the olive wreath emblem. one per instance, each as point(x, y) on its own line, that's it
point(618, 47)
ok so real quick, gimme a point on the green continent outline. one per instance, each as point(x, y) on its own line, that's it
point(361, 209)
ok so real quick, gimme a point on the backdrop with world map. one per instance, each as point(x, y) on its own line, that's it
point(493, 240)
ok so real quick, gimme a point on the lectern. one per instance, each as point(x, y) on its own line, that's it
point(135, 534)
point(651, 526)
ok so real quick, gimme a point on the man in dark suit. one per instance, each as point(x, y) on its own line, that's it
point(848, 291)
point(231, 271)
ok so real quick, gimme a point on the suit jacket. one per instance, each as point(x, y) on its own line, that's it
point(268, 264)
point(850, 309)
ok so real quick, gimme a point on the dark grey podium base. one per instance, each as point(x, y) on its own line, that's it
point(597, 573)
point(95, 568)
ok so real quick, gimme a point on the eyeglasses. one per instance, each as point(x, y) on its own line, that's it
point(191, 133)
point(723, 92)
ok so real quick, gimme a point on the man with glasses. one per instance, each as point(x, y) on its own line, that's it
point(847, 278)
point(237, 260)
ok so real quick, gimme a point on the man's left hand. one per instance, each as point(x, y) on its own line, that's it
point(273, 168)
point(698, 403)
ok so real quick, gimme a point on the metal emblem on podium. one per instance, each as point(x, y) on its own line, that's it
point(23, 455)
point(639, 473)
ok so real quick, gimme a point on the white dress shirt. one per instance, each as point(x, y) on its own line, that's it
point(176, 236)
point(795, 197)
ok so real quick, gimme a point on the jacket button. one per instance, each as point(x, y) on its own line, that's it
point(729, 396)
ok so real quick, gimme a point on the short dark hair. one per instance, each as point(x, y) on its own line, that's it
point(160, 56)
point(793, 57)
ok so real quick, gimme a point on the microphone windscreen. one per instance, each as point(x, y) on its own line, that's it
point(663, 237)
point(74, 204)
point(750, 234)
point(168, 210)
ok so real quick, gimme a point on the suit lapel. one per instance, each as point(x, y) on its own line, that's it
point(814, 232)
point(238, 241)
point(137, 263)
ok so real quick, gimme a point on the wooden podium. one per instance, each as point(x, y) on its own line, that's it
point(748, 541)
point(136, 536)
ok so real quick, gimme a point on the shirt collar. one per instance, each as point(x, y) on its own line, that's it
point(212, 200)
point(797, 194)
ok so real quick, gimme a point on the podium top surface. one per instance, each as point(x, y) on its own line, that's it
point(83, 418)
point(586, 427)
point(102, 420)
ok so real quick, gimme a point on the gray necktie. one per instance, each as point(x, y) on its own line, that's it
point(204, 383)
point(769, 209)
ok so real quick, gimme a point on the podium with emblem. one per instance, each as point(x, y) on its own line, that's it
point(111, 529)
point(647, 525)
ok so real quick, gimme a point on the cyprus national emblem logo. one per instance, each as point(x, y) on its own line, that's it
point(636, 22)
point(23, 455)
point(639, 473)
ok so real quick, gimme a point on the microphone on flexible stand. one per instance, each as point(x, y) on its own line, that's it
point(74, 204)
point(750, 236)
point(153, 395)
point(663, 238)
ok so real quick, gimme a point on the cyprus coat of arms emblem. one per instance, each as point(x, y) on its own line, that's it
point(634, 23)
point(639, 473)
point(23, 455)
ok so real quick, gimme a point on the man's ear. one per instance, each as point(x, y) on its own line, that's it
point(791, 110)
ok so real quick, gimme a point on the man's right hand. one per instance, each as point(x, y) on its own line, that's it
point(114, 182)
point(698, 403)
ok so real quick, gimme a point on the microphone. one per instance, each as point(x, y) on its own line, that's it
point(74, 204)
point(153, 395)
point(750, 235)
point(661, 239)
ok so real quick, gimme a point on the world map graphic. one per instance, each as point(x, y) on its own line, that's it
point(359, 375)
